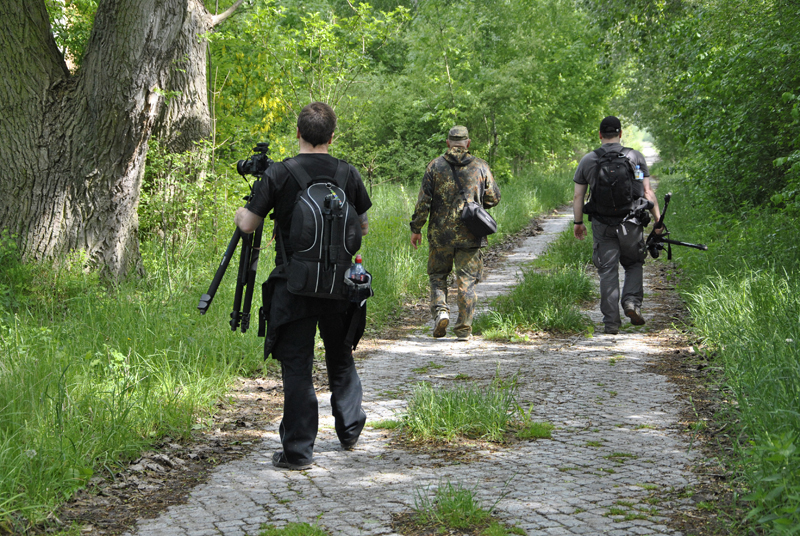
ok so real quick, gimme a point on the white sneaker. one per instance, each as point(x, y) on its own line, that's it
point(440, 325)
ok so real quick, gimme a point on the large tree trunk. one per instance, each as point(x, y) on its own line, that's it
point(72, 148)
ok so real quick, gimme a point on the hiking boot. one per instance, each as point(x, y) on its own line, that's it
point(634, 313)
point(440, 325)
point(463, 337)
point(608, 330)
point(279, 460)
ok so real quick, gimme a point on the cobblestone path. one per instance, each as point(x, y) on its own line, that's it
point(615, 442)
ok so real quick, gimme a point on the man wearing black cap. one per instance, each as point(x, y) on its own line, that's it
point(449, 181)
point(618, 231)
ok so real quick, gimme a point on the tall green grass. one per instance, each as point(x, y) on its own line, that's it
point(484, 412)
point(744, 299)
point(90, 375)
point(548, 296)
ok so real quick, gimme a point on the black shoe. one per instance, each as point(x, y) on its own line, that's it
point(634, 313)
point(608, 330)
point(279, 460)
point(349, 446)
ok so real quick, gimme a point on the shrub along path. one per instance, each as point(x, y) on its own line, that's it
point(618, 461)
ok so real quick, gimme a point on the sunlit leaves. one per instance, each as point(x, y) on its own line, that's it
point(72, 22)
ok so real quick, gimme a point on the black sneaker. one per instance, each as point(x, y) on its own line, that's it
point(279, 460)
point(634, 313)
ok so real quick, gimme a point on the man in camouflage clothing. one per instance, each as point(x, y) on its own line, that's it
point(450, 242)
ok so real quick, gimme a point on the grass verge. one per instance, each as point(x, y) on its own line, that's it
point(744, 299)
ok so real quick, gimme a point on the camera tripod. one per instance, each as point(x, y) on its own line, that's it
point(245, 279)
point(248, 256)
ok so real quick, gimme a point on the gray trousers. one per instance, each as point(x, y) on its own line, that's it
point(615, 245)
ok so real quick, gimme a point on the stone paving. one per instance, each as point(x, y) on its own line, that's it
point(614, 445)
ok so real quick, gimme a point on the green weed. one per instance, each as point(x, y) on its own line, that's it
point(536, 430)
point(451, 505)
point(474, 411)
point(386, 424)
point(293, 529)
point(542, 301)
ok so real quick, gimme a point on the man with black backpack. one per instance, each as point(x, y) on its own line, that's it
point(319, 205)
point(620, 196)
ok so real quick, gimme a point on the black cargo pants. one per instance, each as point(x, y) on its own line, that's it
point(294, 348)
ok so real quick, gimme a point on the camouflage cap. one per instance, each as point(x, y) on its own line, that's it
point(458, 133)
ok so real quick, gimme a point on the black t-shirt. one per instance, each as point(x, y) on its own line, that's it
point(278, 191)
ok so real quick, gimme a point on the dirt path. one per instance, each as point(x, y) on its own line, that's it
point(617, 463)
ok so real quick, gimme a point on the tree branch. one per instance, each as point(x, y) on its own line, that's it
point(216, 19)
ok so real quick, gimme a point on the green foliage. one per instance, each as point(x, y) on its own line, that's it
point(275, 58)
point(722, 103)
point(72, 23)
point(523, 77)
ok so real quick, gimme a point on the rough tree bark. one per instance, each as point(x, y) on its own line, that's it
point(72, 148)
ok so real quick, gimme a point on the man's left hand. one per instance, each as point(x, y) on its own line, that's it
point(416, 239)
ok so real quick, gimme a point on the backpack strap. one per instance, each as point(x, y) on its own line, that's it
point(342, 174)
point(296, 170)
point(304, 179)
point(461, 187)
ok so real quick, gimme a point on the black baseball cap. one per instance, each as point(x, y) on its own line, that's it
point(610, 125)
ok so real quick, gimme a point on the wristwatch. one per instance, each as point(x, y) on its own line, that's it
point(577, 223)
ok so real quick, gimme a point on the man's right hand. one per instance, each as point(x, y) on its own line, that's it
point(579, 231)
point(416, 239)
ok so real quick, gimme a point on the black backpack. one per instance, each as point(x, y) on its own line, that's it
point(612, 184)
point(325, 234)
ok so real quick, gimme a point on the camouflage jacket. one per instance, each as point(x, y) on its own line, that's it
point(440, 198)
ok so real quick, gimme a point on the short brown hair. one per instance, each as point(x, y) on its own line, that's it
point(316, 123)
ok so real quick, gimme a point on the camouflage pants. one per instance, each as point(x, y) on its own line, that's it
point(469, 271)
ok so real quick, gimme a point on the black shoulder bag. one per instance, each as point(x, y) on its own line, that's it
point(477, 220)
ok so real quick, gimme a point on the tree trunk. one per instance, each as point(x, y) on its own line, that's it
point(73, 147)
